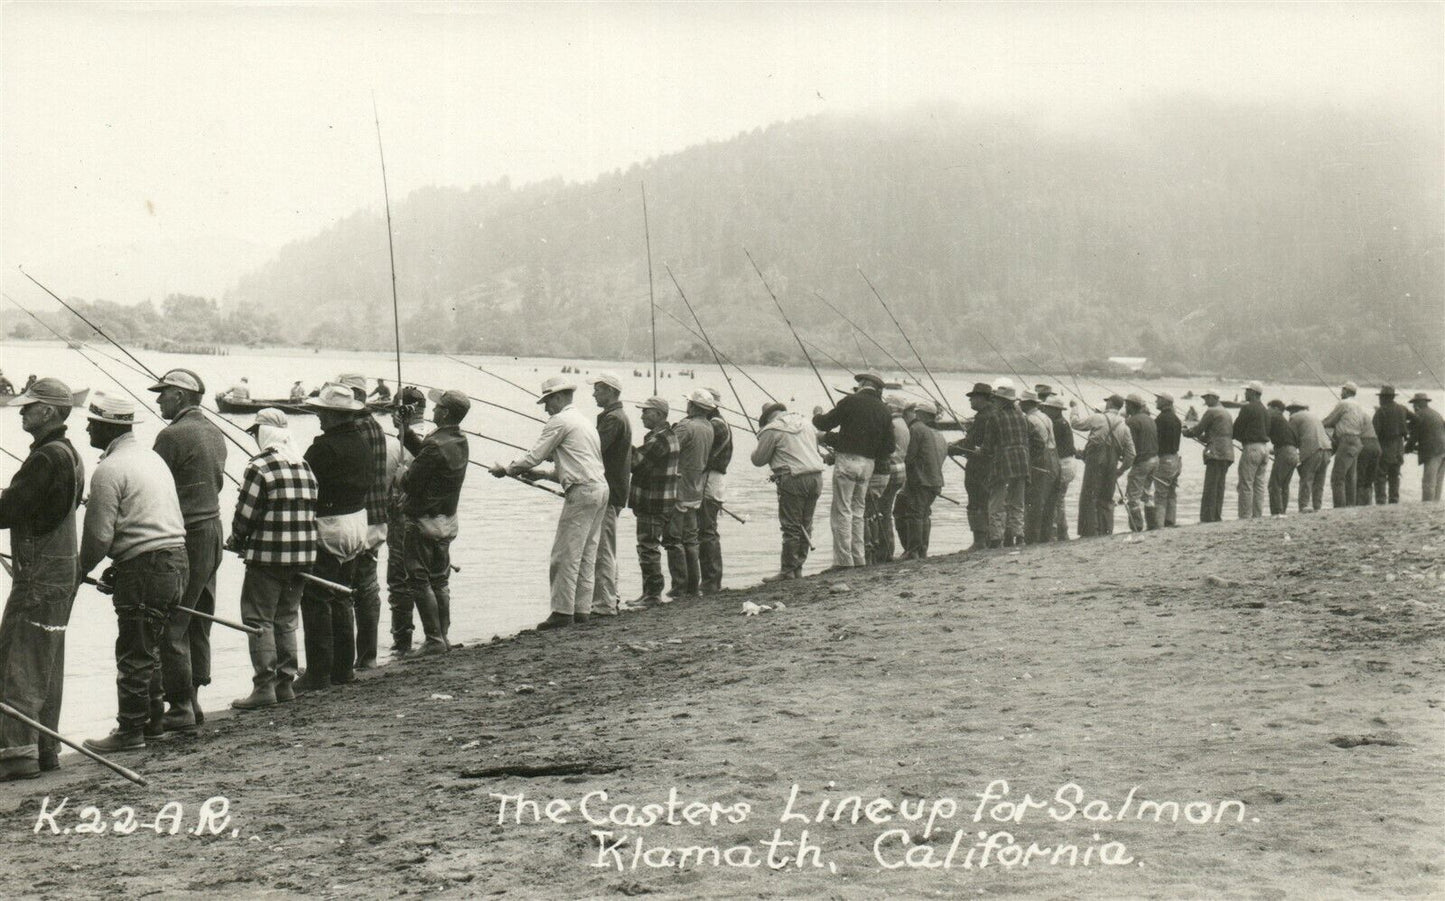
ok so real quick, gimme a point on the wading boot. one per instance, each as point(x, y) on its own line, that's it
point(15, 768)
point(49, 760)
point(117, 741)
point(429, 649)
point(258, 698)
point(284, 692)
point(155, 726)
point(196, 704)
point(555, 621)
point(180, 718)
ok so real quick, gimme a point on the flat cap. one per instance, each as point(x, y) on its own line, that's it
point(609, 379)
point(49, 391)
point(180, 378)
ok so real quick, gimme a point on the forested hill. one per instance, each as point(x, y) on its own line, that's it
point(1201, 235)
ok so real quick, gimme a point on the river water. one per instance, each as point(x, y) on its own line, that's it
point(506, 527)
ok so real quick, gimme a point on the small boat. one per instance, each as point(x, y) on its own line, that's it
point(226, 404)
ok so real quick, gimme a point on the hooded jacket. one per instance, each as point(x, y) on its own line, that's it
point(789, 445)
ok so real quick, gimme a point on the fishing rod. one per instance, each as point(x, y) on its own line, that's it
point(390, 248)
point(652, 308)
point(43, 729)
point(1423, 362)
point(525, 481)
point(528, 391)
point(118, 346)
point(942, 397)
point(1078, 392)
point(493, 440)
point(1317, 376)
point(716, 358)
point(731, 362)
point(858, 344)
point(874, 341)
point(11, 456)
point(481, 401)
point(826, 392)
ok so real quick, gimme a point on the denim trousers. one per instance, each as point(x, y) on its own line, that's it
point(851, 474)
point(1253, 485)
point(680, 543)
point(1139, 492)
point(1342, 477)
point(1286, 461)
point(883, 491)
point(326, 618)
point(709, 544)
point(186, 647)
point(1040, 500)
point(1166, 491)
point(366, 606)
point(271, 601)
point(913, 512)
point(1211, 502)
point(651, 529)
point(397, 596)
point(147, 589)
point(797, 503)
point(1312, 469)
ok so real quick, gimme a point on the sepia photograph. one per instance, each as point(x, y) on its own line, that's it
point(991, 449)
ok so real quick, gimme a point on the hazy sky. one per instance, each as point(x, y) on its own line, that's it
point(157, 147)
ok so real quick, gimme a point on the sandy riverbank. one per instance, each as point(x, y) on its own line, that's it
point(1280, 679)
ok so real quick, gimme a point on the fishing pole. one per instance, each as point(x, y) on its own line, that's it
point(705, 338)
point(494, 440)
point(528, 391)
point(1317, 376)
point(1424, 362)
point(11, 456)
point(482, 401)
point(390, 248)
point(874, 342)
point(731, 362)
point(826, 392)
point(1078, 392)
point(496, 466)
point(652, 308)
point(43, 729)
point(942, 397)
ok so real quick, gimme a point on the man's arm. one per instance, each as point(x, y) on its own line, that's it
point(27, 490)
point(101, 512)
point(767, 445)
point(248, 506)
point(546, 443)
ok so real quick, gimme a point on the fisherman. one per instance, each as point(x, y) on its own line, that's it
point(975, 474)
point(865, 433)
point(1216, 431)
point(194, 450)
point(714, 492)
point(1054, 408)
point(298, 392)
point(1392, 427)
point(410, 414)
point(652, 496)
point(1314, 455)
point(1108, 454)
point(1427, 440)
point(430, 488)
point(1007, 448)
point(1166, 477)
point(1346, 424)
point(1251, 430)
point(241, 390)
point(922, 481)
point(381, 392)
point(694, 443)
point(133, 516)
point(274, 531)
point(1367, 466)
point(1139, 490)
point(570, 440)
point(344, 466)
point(1043, 478)
point(614, 434)
point(386, 453)
point(39, 510)
point(788, 446)
point(1286, 458)
point(888, 478)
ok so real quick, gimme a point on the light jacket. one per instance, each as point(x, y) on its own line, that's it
point(789, 445)
point(133, 507)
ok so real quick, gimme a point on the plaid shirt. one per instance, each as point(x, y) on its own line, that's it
point(275, 522)
point(376, 495)
point(1006, 444)
point(655, 474)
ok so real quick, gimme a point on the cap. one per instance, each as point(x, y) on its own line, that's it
point(1209, 392)
point(870, 377)
point(1420, 398)
point(1350, 386)
point(1002, 382)
point(980, 389)
point(269, 416)
point(1054, 401)
point(926, 407)
point(333, 396)
point(1255, 386)
point(659, 404)
point(180, 378)
point(716, 394)
point(609, 379)
point(412, 396)
point(896, 402)
point(1114, 400)
point(1295, 406)
point(111, 409)
point(452, 399)
point(49, 391)
point(1276, 403)
point(1028, 397)
point(769, 411)
point(703, 398)
point(1387, 391)
point(1136, 399)
point(554, 385)
point(352, 380)
point(1163, 399)
point(1004, 392)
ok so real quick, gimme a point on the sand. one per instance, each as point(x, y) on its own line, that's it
point(1267, 695)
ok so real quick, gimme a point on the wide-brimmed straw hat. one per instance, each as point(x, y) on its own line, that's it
point(925, 407)
point(109, 408)
point(870, 378)
point(1295, 406)
point(333, 396)
point(555, 385)
point(49, 391)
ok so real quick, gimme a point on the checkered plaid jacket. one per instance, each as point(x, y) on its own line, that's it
point(275, 521)
point(1006, 444)
point(655, 474)
point(376, 495)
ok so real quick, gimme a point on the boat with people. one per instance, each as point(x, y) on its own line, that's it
point(225, 403)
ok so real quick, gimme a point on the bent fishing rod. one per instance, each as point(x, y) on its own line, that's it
point(390, 243)
point(726, 359)
point(652, 307)
point(874, 341)
point(711, 347)
point(1113, 444)
point(916, 355)
point(478, 399)
point(1423, 362)
point(811, 365)
point(1316, 374)
point(527, 391)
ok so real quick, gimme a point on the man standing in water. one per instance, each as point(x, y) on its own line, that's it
point(39, 510)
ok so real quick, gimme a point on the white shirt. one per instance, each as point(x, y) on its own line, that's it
point(570, 440)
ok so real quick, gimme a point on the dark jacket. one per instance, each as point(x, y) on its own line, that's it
point(1167, 429)
point(1280, 434)
point(1145, 435)
point(1392, 427)
point(926, 449)
point(1427, 434)
point(195, 452)
point(341, 460)
point(433, 482)
point(44, 490)
point(614, 433)
point(864, 424)
point(722, 445)
point(1251, 425)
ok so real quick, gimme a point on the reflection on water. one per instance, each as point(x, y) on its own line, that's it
point(506, 528)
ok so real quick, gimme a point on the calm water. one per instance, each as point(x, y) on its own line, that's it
point(506, 527)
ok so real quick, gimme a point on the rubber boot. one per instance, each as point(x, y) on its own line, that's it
point(258, 698)
point(117, 741)
point(180, 718)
